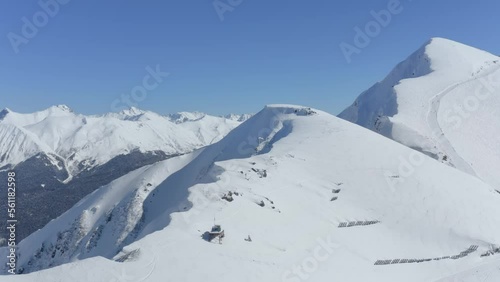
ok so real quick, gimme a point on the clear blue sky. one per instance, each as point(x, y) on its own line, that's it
point(283, 51)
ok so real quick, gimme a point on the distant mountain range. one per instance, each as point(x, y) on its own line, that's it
point(301, 195)
point(61, 156)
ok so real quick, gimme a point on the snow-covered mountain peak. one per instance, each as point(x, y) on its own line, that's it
point(132, 111)
point(238, 117)
point(290, 109)
point(445, 54)
point(57, 111)
point(63, 108)
point(454, 60)
point(98, 139)
point(183, 117)
point(21, 119)
point(310, 184)
point(136, 114)
point(429, 100)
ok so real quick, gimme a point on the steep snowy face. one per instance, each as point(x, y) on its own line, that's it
point(438, 101)
point(18, 144)
point(300, 194)
point(85, 142)
point(61, 156)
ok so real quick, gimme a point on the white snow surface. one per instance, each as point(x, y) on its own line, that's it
point(298, 173)
point(486, 272)
point(89, 141)
point(443, 100)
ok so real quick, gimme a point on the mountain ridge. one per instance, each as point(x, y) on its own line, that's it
point(297, 176)
point(55, 151)
point(65, 126)
point(429, 98)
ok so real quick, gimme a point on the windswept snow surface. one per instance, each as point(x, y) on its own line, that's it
point(488, 272)
point(85, 142)
point(321, 199)
point(443, 100)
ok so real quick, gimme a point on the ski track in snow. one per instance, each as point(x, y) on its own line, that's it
point(432, 119)
point(430, 89)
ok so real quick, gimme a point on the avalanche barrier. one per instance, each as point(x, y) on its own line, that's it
point(463, 254)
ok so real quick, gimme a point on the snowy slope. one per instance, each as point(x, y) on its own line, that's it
point(23, 146)
point(85, 142)
point(488, 272)
point(320, 198)
point(61, 156)
point(443, 100)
